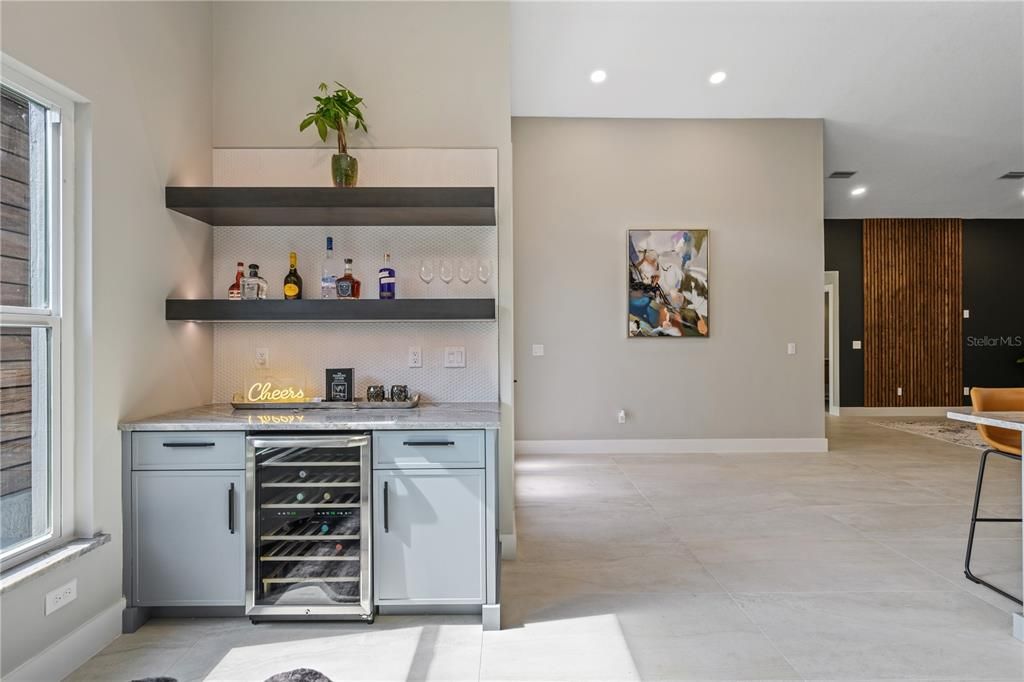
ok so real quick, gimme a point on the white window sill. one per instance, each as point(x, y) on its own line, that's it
point(50, 560)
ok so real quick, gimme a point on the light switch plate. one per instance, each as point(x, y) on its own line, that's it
point(856, 345)
point(967, 390)
point(967, 313)
point(454, 356)
point(538, 349)
point(791, 348)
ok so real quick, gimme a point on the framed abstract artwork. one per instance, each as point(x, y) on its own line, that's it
point(668, 283)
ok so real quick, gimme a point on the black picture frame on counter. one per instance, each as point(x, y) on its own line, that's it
point(340, 385)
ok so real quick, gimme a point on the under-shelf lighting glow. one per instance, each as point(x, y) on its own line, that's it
point(857, 191)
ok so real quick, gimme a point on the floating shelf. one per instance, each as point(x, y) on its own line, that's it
point(411, 309)
point(333, 206)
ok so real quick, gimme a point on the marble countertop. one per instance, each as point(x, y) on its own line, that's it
point(1003, 420)
point(223, 417)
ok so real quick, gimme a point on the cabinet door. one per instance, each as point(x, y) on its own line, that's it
point(429, 536)
point(189, 538)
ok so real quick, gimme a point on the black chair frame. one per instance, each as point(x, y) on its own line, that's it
point(975, 520)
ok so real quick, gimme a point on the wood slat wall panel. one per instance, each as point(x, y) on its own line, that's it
point(15, 373)
point(14, 114)
point(13, 140)
point(913, 312)
point(15, 345)
point(14, 218)
point(14, 244)
point(14, 192)
point(15, 453)
point(13, 167)
point(14, 400)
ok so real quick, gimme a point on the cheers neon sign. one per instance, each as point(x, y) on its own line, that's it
point(265, 392)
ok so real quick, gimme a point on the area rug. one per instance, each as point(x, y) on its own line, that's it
point(297, 675)
point(957, 433)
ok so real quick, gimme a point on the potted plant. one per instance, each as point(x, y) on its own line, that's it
point(335, 111)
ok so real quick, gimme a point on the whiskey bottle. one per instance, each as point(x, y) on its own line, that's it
point(329, 277)
point(254, 287)
point(386, 279)
point(348, 285)
point(235, 290)
point(292, 281)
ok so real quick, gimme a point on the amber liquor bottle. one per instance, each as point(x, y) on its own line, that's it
point(348, 285)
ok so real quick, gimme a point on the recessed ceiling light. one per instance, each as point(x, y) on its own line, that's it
point(598, 76)
point(717, 77)
point(857, 191)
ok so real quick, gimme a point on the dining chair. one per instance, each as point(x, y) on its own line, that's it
point(1002, 442)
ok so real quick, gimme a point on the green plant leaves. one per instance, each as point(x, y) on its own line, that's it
point(335, 111)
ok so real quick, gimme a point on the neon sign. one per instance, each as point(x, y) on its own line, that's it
point(265, 392)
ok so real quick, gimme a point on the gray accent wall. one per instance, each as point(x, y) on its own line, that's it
point(757, 186)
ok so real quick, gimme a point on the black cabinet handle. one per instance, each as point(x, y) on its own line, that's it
point(428, 443)
point(386, 528)
point(231, 508)
point(189, 445)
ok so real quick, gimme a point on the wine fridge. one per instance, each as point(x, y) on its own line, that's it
point(308, 508)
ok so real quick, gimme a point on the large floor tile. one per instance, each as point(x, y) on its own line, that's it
point(916, 521)
point(805, 522)
point(922, 635)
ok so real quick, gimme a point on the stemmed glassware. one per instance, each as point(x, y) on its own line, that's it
point(484, 270)
point(466, 271)
point(427, 271)
point(447, 273)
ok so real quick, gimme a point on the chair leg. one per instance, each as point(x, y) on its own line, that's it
point(974, 522)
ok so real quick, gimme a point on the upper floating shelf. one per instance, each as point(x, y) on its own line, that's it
point(333, 206)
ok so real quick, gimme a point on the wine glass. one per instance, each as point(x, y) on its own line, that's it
point(484, 271)
point(427, 271)
point(447, 273)
point(466, 271)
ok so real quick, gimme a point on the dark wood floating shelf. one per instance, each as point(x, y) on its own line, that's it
point(332, 206)
point(412, 309)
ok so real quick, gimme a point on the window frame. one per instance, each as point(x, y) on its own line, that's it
point(58, 315)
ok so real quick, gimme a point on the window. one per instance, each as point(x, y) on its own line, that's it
point(35, 269)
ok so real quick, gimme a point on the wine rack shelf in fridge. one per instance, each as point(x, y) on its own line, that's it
point(309, 556)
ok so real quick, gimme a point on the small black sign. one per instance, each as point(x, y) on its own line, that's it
point(339, 384)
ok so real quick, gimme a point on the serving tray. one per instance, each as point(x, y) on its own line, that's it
point(333, 405)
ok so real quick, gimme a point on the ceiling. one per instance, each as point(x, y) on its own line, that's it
point(925, 100)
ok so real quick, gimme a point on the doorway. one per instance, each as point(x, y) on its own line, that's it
point(831, 342)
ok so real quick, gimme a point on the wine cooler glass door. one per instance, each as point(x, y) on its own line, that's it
point(310, 526)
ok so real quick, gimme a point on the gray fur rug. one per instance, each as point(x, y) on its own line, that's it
point(297, 675)
point(940, 428)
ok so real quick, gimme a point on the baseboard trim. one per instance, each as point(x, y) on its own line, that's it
point(669, 446)
point(64, 656)
point(896, 411)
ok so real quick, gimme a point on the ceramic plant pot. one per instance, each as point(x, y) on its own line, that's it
point(344, 170)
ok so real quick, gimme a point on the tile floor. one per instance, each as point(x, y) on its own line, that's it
point(844, 565)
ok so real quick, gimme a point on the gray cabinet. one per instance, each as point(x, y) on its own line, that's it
point(429, 536)
point(188, 538)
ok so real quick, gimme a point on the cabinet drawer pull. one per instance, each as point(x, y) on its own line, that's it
point(231, 508)
point(193, 444)
point(386, 496)
point(428, 443)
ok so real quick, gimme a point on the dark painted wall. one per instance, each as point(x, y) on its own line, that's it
point(844, 245)
point(994, 295)
point(993, 292)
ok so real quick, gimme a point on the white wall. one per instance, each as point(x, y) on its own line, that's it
point(757, 186)
point(144, 69)
point(432, 75)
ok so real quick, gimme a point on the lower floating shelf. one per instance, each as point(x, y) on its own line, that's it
point(403, 309)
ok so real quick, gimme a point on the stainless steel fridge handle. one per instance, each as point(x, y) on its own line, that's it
point(339, 442)
point(386, 499)
point(231, 508)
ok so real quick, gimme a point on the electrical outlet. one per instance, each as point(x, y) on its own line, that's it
point(262, 357)
point(61, 597)
point(538, 349)
point(967, 313)
point(415, 356)
point(899, 390)
point(622, 416)
point(791, 348)
point(454, 356)
point(967, 390)
point(857, 345)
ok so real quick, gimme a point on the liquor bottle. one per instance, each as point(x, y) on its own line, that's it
point(348, 285)
point(254, 287)
point(292, 281)
point(329, 277)
point(386, 279)
point(235, 290)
